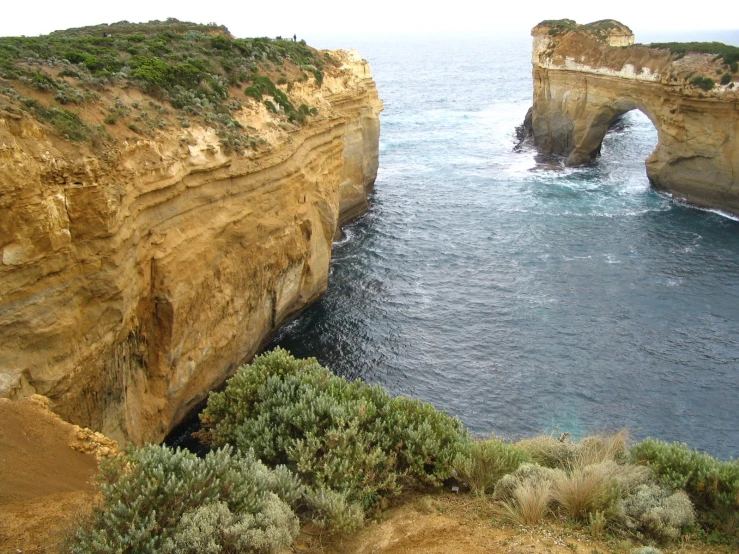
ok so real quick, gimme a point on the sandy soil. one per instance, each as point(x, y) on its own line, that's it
point(44, 482)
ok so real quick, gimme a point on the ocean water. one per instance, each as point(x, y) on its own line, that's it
point(519, 296)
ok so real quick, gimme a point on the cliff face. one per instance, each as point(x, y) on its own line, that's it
point(136, 279)
point(585, 77)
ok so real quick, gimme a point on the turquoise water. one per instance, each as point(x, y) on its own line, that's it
point(521, 298)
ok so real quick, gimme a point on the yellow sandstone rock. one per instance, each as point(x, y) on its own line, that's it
point(136, 279)
point(585, 77)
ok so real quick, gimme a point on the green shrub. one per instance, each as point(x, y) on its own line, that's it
point(155, 499)
point(705, 83)
point(734, 66)
point(710, 484)
point(725, 79)
point(42, 81)
point(483, 463)
point(262, 85)
point(658, 512)
point(722, 51)
point(332, 510)
point(337, 435)
point(214, 529)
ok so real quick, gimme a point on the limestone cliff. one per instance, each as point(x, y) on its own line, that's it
point(135, 278)
point(586, 76)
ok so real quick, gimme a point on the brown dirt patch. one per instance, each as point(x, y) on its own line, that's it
point(44, 483)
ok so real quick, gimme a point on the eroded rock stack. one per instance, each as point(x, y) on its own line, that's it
point(587, 76)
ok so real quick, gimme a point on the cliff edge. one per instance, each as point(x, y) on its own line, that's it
point(587, 76)
point(159, 221)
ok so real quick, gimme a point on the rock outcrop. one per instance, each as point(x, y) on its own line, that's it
point(136, 279)
point(587, 76)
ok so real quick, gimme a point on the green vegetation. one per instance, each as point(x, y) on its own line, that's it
point(295, 442)
point(725, 79)
point(713, 486)
point(600, 29)
point(159, 500)
point(705, 83)
point(192, 67)
point(349, 439)
point(481, 464)
point(729, 54)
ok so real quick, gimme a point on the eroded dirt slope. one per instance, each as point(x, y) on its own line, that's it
point(47, 468)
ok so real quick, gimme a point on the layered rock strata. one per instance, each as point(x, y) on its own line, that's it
point(134, 281)
point(586, 77)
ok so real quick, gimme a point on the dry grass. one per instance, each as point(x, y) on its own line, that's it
point(600, 448)
point(528, 505)
point(584, 491)
point(560, 452)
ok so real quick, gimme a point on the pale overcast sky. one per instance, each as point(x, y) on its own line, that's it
point(322, 17)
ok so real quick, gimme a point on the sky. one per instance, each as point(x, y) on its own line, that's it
point(344, 17)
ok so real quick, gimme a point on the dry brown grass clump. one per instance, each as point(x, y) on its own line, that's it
point(560, 452)
point(528, 505)
point(585, 491)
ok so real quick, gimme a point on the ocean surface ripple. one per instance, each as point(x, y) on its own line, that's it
point(521, 298)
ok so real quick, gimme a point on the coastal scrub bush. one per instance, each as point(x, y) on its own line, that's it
point(725, 79)
point(712, 485)
point(727, 53)
point(156, 499)
point(333, 510)
point(482, 463)
point(657, 512)
point(705, 83)
point(262, 85)
point(190, 65)
point(339, 436)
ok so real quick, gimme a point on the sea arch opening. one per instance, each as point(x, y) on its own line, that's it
point(615, 117)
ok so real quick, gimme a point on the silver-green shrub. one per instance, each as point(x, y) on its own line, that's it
point(712, 485)
point(658, 512)
point(646, 550)
point(342, 436)
point(527, 473)
point(148, 493)
point(214, 529)
point(333, 510)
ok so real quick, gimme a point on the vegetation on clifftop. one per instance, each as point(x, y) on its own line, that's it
point(295, 442)
point(727, 53)
point(600, 29)
point(196, 70)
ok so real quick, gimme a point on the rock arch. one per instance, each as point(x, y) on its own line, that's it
point(582, 83)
